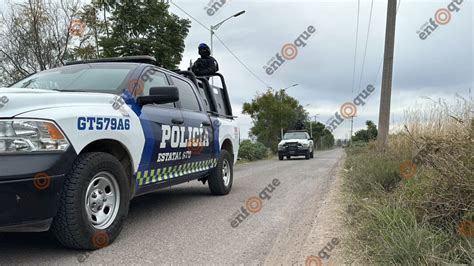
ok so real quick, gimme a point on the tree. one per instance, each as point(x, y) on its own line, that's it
point(34, 36)
point(368, 134)
point(323, 138)
point(146, 28)
point(271, 111)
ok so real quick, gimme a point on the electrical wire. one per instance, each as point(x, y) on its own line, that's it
point(189, 15)
point(223, 44)
point(366, 43)
point(240, 61)
point(356, 46)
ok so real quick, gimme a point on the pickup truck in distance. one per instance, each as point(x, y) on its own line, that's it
point(78, 142)
point(296, 143)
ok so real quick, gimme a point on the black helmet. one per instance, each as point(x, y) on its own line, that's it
point(204, 50)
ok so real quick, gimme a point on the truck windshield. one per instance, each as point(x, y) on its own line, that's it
point(295, 135)
point(83, 77)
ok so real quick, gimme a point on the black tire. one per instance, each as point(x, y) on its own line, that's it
point(71, 225)
point(288, 157)
point(280, 157)
point(307, 155)
point(311, 155)
point(216, 179)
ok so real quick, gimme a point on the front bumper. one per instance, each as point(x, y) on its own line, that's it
point(293, 151)
point(30, 185)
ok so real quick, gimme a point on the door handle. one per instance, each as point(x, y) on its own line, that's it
point(178, 121)
point(206, 124)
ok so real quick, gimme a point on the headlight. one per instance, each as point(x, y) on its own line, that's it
point(31, 136)
point(281, 146)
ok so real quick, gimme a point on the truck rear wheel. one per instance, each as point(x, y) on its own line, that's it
point(221, 178)
point(93, 204)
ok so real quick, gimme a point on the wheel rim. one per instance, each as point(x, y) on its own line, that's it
point(102, 200)
point(226, 172)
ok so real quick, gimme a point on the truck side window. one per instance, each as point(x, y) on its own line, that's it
point(152, 78)
point(186, 95)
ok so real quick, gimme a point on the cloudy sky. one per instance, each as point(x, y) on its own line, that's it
point(438, 67)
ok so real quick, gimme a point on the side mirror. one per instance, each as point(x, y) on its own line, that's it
point(160, 95)
point(311, 138)
point(279, 139)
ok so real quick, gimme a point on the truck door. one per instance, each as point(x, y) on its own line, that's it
point(197, 121)
point(159, 121)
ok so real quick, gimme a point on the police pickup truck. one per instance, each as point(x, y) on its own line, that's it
point(78, 142)
point(296, 143)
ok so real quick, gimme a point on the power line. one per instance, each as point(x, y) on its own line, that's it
point(223, 44)
point(240, 61)
point(189, 15)
point(356, 45)
point(366, 43)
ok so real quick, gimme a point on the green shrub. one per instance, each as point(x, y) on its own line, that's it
point(252, 151)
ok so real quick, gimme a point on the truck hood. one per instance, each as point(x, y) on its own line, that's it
point(301, 141)
point(17, 101)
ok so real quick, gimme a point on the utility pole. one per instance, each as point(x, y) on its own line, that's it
point(352, 129)
point(386, 93)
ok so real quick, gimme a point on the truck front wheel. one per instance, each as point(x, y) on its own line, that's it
point(93, 204)
point(221, 178)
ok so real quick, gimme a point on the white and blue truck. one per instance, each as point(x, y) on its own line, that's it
point(78, 142)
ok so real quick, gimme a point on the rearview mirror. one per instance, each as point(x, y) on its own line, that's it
point(160, 95)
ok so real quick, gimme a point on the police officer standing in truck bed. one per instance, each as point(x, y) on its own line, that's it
point(206, 65)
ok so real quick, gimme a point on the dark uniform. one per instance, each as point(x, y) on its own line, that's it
point(206, 65)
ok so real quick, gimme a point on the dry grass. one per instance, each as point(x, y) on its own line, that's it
point(416, 219)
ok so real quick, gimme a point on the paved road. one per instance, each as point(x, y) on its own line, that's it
point(186, 225)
